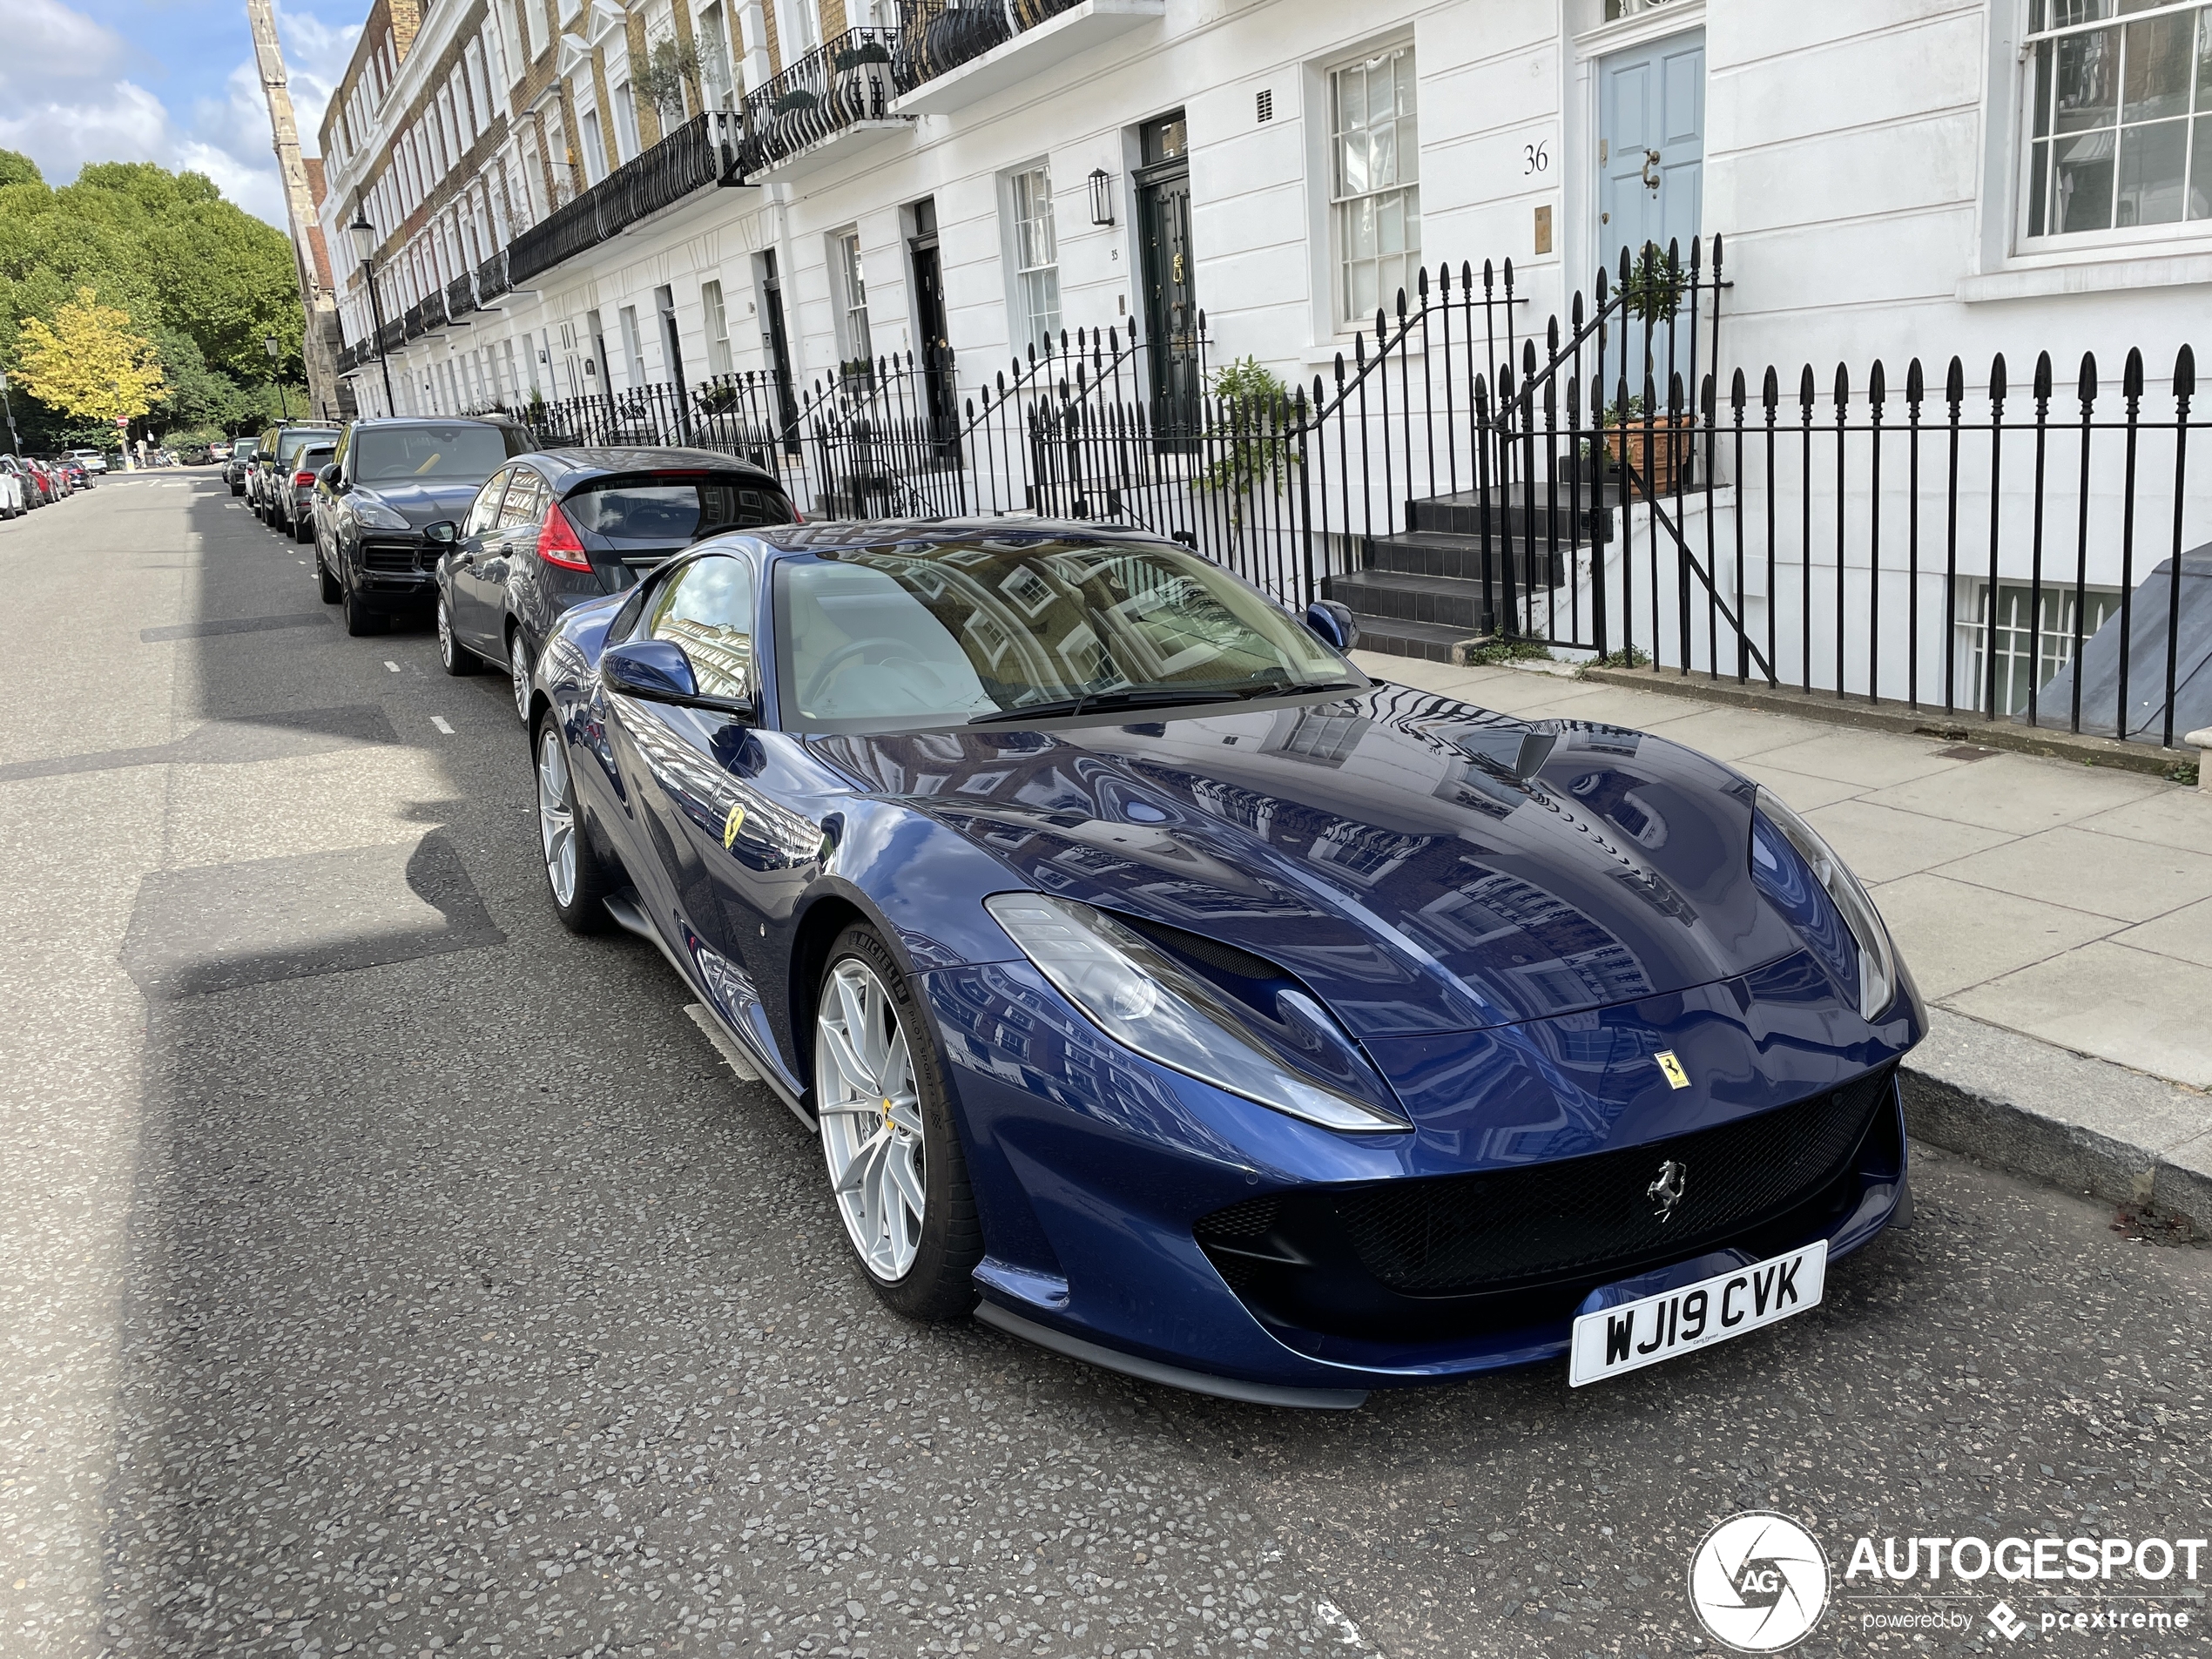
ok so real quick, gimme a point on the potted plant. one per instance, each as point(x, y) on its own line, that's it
point(663, 77)
point(1654, 441)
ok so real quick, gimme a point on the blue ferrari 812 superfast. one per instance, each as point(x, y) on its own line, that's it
point(1165, 990)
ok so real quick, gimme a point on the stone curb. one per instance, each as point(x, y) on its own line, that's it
point(1900, 718)
point(2048, 1113)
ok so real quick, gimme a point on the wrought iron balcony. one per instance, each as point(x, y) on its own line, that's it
point(461, 298)
point(845, 87)
point(491, 278)
point(414, 325)
point(952, 52)
point(392, 335)
point(695, 156)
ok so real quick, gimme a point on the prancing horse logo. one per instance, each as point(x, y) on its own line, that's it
point(1666, 1192)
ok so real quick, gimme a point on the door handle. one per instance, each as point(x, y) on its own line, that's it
point(1651, 170)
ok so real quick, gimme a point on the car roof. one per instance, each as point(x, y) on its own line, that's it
point(381, 421)
point(567, 468)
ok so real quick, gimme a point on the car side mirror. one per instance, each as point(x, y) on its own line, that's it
point(329, 476)
point(657, 671)
point(1332, 623)
point(443, 533)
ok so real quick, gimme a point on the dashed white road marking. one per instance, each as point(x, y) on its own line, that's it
point(389, 664)
point(439, 721)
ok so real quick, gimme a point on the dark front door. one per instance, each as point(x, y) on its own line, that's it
point(935, 353)
point(1170, 280)
point(779, 343)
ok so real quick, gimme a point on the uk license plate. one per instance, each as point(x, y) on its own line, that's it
point(1643, 1332)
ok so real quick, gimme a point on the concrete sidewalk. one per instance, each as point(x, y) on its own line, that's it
point(2048, 911)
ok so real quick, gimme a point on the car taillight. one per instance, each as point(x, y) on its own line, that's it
point(557, 543)
point(305, 480)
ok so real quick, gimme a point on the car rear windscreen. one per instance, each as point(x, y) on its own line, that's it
point(290, 443)
point(669, 509)
point(462, 451)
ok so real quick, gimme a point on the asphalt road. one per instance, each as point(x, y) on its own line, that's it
point(383, 1271)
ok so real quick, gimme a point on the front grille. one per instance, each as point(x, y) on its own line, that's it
point(1528, 1242)
point(387, 556)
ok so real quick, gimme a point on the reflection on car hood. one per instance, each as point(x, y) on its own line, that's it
point(425, 503)
point(1423, 865)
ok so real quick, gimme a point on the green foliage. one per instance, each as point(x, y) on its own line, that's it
point(188, 266)
point(1653, 291)
point(2184, 771)
point(662, 75)
point(1248, 433)
point(1633, 656)
point(1497, 652)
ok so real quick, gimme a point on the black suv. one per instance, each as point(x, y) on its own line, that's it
point(388, 479)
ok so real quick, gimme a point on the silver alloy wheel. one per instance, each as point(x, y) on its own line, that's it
point(446, 646)
point(556, 818)
point(518, 670)
point(871, 1116)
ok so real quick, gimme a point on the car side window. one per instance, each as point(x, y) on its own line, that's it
point(708, 610)
point(483, 512)
point(525, 508)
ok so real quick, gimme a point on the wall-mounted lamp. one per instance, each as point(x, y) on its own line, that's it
point(1102, 196)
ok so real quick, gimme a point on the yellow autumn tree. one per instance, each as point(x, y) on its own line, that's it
point(87, 364)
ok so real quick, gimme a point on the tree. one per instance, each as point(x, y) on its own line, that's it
point(89, 365)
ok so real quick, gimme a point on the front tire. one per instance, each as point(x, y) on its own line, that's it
point(898, 1175)
point(453, 656)
point(361, 621)
point(574, 878)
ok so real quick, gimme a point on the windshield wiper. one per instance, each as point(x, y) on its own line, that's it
point(1294, 689)
point(1099, 702)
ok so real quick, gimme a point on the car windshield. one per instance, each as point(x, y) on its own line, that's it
point(666, 510)
point(1006, 629)
point(465, 451)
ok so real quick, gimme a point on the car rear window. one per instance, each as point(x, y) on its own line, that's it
point(661, 509)
point(291, 443)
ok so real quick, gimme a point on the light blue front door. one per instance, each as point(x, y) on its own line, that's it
point(1652, 128)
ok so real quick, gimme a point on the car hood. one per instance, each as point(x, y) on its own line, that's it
point(425, 503)
point(1421, 864)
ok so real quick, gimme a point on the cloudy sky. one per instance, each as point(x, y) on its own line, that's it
point(170, 81)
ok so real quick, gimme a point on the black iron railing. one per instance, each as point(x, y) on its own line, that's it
point(392, 335)
point(936, 37)
point(693, 157)
point(415, 323)
point(737, 414)
point(491, 278)
point(851, 79)
point(460, 298)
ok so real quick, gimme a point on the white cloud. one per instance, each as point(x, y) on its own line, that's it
point(71, 104)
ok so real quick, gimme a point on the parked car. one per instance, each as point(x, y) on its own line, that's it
point(388, 479)
point(14, 493)
point(239, 469)
point(1165, 991)
point(311, 460)
point(218, 451)
point(271, 492)
point(559, 527)
point(80, 476)
point(94, 460)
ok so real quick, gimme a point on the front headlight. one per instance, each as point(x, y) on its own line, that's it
point(375, 515)
point(1877, 958)
point(1142, 998)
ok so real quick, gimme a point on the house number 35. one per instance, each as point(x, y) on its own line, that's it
point(1535, 158)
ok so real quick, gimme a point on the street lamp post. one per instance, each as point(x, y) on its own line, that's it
point(269, 344)
point(114, 395)
point(364, 235)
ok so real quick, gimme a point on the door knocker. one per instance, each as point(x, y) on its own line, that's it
point(1178, 267)
point(1651, 170)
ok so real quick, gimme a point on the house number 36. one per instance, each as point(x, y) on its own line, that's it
point(1535, 158)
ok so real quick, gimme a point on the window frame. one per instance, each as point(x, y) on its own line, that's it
point(1023, 278)
point(655, 606)
point(2021, 180)
point(1344, 318)
point(848, 268)
point(714, 317)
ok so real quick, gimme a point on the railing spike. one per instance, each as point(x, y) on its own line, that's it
point(1551, 335)
point(1915, 385)
point(1489, 278)
point(2131, 374)
point(2185, 373)
point(2087, 385)
point(1808, 389)
point(1954, 384)
point(1736, 393)
point(1674, 394)
point(1997, 380)
point(1770, 390)
point(1506, 271)
point(1877, 386)
point(2043, 377)
point(1574, 312)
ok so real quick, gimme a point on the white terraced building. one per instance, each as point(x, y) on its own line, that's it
point(577, 200)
